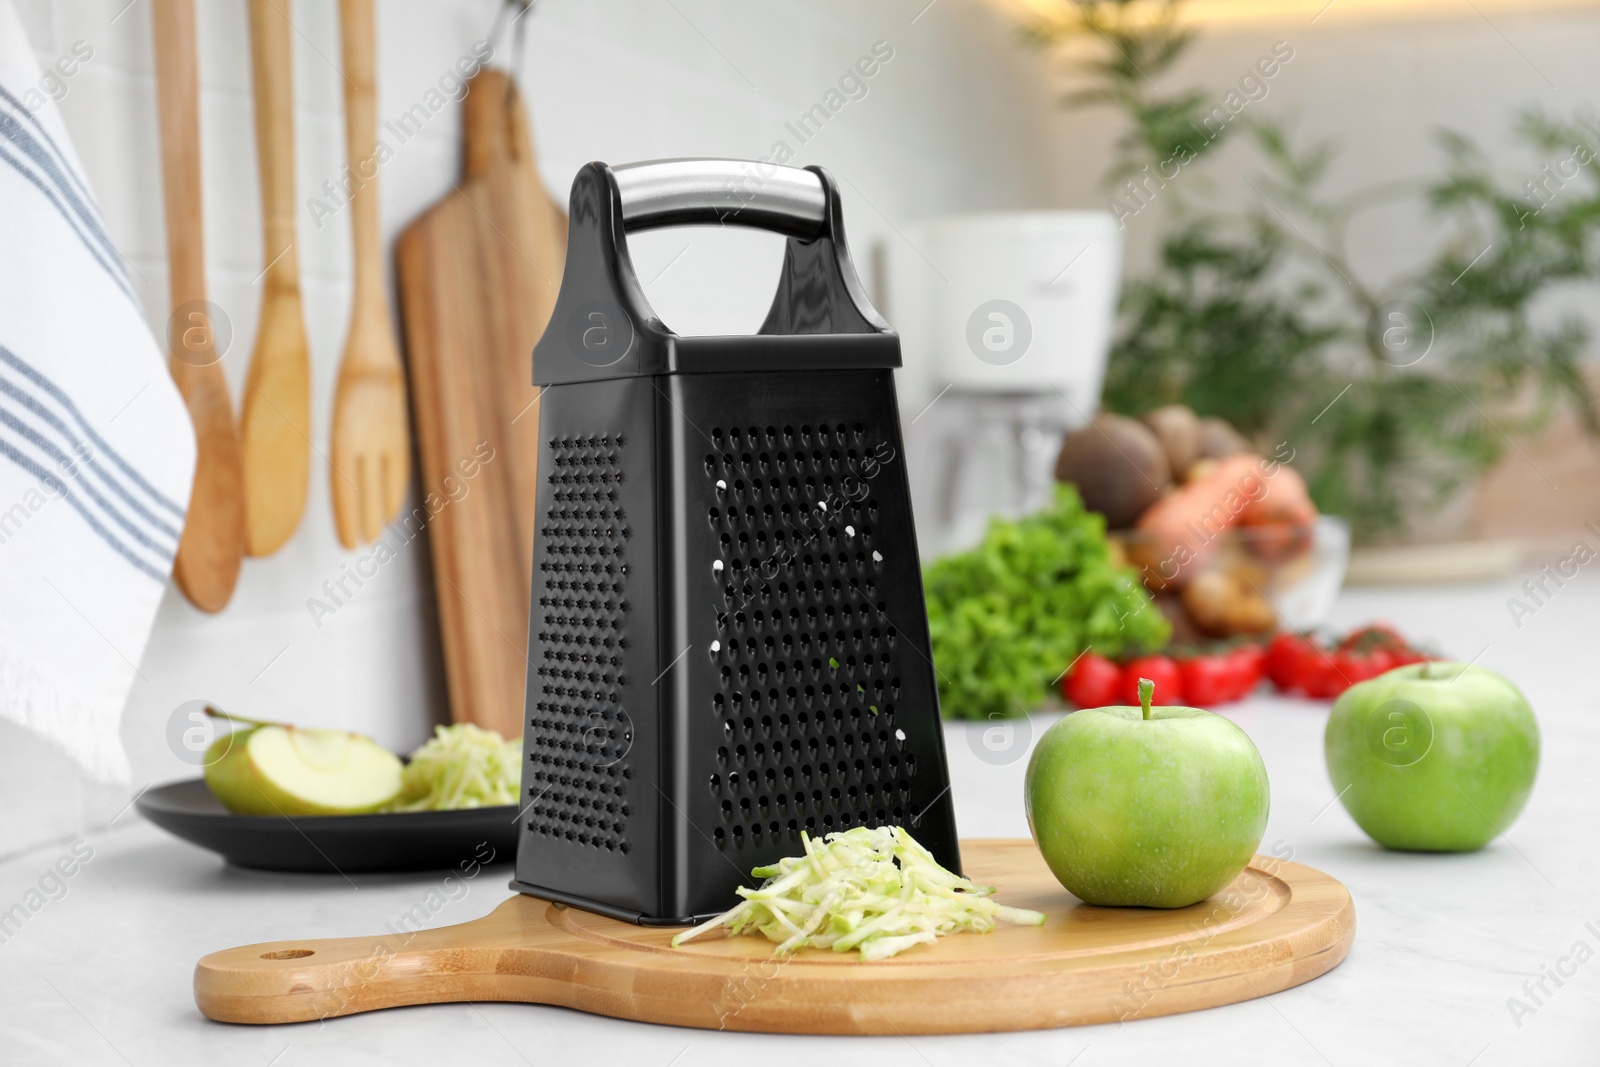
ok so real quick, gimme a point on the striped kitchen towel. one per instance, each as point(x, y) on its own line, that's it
point(96, 447)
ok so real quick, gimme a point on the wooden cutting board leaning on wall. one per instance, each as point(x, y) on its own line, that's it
point(478, 274)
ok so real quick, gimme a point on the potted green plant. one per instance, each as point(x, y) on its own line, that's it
point(1398, 392)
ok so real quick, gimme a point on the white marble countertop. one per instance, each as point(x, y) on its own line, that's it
point(102, 974)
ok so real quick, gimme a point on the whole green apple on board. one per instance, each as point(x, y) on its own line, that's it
point(1151, 807)
point(1433, 757)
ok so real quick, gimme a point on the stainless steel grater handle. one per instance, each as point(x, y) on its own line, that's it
point(732, 192)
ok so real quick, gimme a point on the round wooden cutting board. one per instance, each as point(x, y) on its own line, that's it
point(1277, 925)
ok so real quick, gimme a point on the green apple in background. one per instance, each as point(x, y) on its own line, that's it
point(1153, 807)
point(1433, 757)
point(285, 770)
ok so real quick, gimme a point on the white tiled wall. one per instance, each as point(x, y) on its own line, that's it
point(949, 123)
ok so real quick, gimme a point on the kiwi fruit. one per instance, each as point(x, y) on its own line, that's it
point(1118, 465)
point(1177, 427)
point(1218, 439)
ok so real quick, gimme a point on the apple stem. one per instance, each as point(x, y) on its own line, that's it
point(1147, 689)
point(239, 720)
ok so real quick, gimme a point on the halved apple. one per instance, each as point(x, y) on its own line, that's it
point(287, 770)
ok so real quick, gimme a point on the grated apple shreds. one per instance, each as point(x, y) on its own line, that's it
point(461, 766)
point(875, 890)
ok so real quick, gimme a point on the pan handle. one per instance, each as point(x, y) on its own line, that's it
point(729, 192)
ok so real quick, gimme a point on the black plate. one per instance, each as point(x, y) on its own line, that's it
point(332, 844)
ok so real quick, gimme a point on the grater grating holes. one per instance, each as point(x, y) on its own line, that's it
point(579, 733)
point(805, 657)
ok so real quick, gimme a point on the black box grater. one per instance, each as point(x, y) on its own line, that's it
point(728, 640)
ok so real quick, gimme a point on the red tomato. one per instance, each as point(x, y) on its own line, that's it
point(1208, 680)
point(1377, 635)
point(1383, 661)
point(1319, 674)
point(1249, 663)
point(1253, 654)
point(1093, 682)
point(1352, 667)
point(1298, 662)
point(1161, 670)
point(1287, 658)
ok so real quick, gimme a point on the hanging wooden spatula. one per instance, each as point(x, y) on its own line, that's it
point(276, 419)
point(212, 545)
point(371, 461)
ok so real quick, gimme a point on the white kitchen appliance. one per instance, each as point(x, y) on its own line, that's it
point(1005, 321)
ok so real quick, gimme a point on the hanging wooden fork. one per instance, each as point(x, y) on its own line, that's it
point(371, 461)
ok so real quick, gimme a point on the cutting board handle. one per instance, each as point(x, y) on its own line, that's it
point(488, 117)
point(300, 981)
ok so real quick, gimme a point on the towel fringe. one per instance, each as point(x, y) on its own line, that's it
point(80, 727)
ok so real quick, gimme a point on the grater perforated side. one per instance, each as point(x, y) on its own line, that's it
point(578, 731)
point(805, 669)
point(810, 704)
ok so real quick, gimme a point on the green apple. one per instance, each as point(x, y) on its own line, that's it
point(1433, 757)
point(285, 770)
point(1151, 807)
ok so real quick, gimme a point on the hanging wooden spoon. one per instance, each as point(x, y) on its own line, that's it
point(212, 544)
point(276, 419)
point(371, 461)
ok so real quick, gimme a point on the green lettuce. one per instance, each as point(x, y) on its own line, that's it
point(1007, 617)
